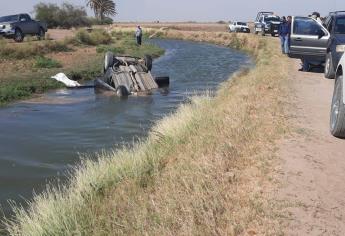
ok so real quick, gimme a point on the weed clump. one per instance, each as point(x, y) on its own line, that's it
point(31, 49)
point(93, 38)
point(44, 62)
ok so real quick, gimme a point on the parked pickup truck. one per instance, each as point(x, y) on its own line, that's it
point(18, 26)
point(267, 23)
point(237, 26)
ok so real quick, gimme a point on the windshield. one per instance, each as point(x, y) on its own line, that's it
point(272, 18)
point(340, 25)
point(9, 18)
point(241, 23)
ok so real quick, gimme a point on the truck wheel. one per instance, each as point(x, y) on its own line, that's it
point(337, 121)
point(162, 81)
point(329, 68)
point(148, 62)
point(108, 61)
point(122, 91)
point(18, 36)
point(41, 34)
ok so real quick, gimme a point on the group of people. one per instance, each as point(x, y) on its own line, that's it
point(284, 34)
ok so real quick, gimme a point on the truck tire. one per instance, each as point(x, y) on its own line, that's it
point(162, 81)
point(148, 62)
point(18, 35)
point(122, 91)
point(41, 34)
point(337, 120)
point(329, 67)
point(108, 61)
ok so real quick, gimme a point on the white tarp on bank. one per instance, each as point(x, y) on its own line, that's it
point(61, 77)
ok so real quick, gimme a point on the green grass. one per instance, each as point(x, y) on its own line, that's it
point(31, 49)
point(125, 44)
point(93, 38)
point(25, 85)
point(201, 171)
point(24, 88)
point(48, 63)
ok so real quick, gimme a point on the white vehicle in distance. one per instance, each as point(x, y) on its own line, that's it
point(337, 121)
point(238, 26)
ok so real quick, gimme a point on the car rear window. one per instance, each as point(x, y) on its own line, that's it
point(340, 26)
point(9, 18)
point(241, 23)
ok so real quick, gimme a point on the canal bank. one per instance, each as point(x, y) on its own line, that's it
point(65, 124)
point(201, 170)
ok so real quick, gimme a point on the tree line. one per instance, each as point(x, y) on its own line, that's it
point(68, 15)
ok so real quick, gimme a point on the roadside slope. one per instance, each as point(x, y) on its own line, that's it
point(313, 170)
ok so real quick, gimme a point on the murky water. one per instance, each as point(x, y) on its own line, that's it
point(40, 139)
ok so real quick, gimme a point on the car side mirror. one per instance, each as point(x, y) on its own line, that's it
point(320, 33)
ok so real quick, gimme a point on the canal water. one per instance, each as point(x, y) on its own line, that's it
point(40, 139)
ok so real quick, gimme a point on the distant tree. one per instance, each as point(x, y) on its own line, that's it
point(66, 16)
point(102, 8)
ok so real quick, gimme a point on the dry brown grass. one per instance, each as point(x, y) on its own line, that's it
point(205, 170)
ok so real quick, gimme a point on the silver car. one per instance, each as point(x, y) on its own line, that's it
point(126, 75)
point(308, 40)
point(337, 121)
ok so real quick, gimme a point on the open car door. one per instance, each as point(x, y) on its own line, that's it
point(308, 39)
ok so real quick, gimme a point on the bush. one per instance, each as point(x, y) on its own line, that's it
point(44, 62)
point(66, 16)
point(113, 49)
point(27, 50)
point(105, 21)
point(94, 37)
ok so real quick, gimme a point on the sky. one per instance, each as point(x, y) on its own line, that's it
point(191, 10)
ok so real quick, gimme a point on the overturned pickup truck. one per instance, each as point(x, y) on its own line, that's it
point(125, 75)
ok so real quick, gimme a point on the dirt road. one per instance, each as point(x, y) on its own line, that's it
point(313, 169)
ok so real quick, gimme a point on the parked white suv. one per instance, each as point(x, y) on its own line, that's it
point(337, 122)
point(237, 26)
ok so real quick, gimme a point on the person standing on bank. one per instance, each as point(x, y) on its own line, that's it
point(280, 34)
point(284, 34)
point(139, 35)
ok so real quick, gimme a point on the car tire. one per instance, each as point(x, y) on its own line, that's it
point(41, 34)
point(18, 36)
point(337, 119)
point(108, 61)
point(329, 67)
point(163, 81)
point(148, 62)
point(122, 91)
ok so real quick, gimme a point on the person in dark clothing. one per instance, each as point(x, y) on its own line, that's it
point(284, 35)
point(283, 19)
point(139, 35)
point(280, 34)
